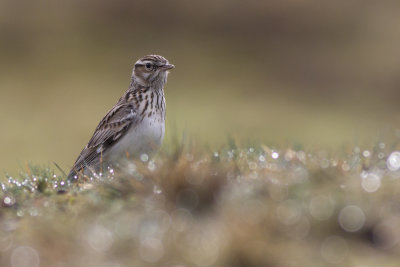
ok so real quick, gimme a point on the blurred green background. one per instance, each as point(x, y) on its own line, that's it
point(315, 73)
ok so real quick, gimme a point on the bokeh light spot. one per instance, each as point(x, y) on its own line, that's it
point(351, 218)
point(393, 161)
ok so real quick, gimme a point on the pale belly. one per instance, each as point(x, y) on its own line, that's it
point(145, 138)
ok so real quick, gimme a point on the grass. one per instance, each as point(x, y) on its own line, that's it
point(192, 206)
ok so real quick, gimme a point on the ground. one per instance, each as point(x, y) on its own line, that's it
point(190, 206)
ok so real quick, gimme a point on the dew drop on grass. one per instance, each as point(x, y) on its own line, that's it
point(144, 157)
point(366, 154)
point(345, 167)
point(393, 161)
point(157, 189)
point(382, 145)
point(8, 201)
point(370, 182)
point(275, 155)
point(131, 168)
point(151, 166)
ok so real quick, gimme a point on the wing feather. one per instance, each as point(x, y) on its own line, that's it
point(110, 129)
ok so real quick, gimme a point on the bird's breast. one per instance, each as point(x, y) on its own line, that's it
point(143, 138)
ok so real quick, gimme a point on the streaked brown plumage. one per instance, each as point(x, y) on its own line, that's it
point(135, 125)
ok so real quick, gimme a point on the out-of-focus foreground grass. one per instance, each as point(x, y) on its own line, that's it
point(278, 72)
point(232, 207)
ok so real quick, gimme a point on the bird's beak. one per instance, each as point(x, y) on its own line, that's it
point(168, 67)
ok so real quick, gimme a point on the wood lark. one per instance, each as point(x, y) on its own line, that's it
point(135, 126)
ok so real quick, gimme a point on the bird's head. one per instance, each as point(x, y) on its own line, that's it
point(151, 70)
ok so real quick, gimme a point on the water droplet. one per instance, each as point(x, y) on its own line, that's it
point(157, 189)
point(366, 154)
point(144, 157)
point(370, 182)
point(261, 158)
point(351, 218)
point(151, 166)
point(275, 155)
point(345, 167)
point(131, 168)
point(8, 201)
point(393, 161)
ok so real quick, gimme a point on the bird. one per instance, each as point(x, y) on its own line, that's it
point(134, 126)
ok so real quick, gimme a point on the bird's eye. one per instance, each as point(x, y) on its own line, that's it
point(149, 66)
